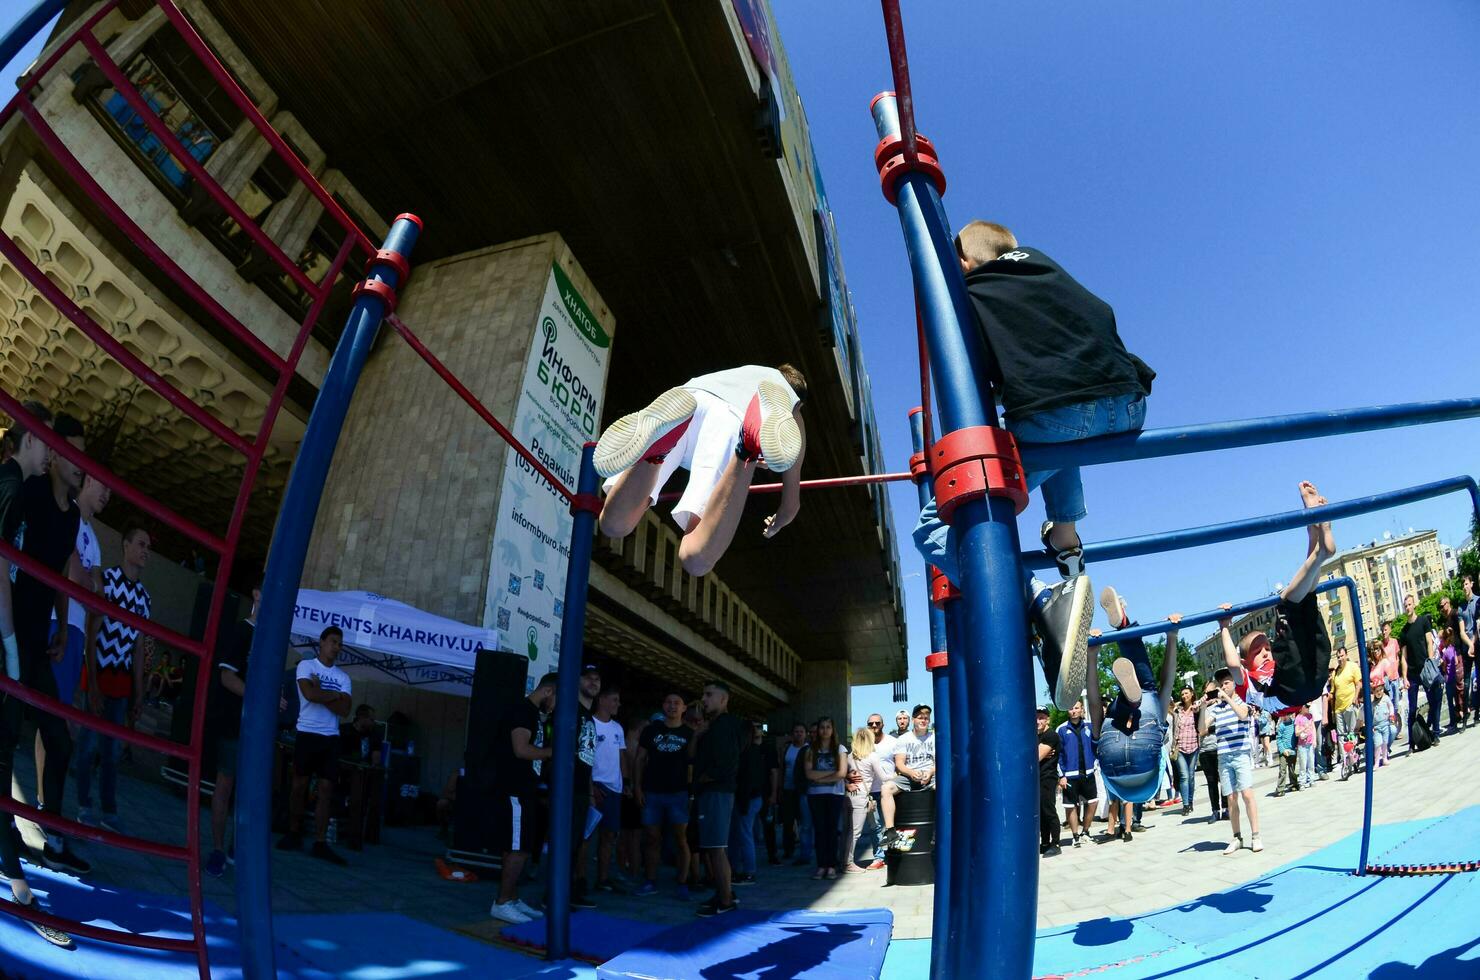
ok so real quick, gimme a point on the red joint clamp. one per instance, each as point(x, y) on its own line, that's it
point(893, 164)
point(941, 589)
point(376, 287)
point(976, 462)
point(587, 502)
point(393, 259)
point(918, 469)
point(937, 660)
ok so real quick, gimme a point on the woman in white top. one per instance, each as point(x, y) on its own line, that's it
point(860, 785)
point(826, 767)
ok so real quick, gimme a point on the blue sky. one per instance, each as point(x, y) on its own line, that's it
point(1278, 199)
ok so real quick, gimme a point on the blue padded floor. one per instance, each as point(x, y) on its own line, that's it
point(755, 945)
point(594, 936)
point(1448, 840)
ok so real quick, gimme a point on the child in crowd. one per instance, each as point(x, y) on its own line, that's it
point(1382, 724)
point(1132, 748)
point(720, 427)
point(1235, 726)
point(1305, 746)
point(1451, 663)
point(1284, 740)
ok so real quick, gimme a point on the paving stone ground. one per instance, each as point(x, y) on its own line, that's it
point(1175, 860)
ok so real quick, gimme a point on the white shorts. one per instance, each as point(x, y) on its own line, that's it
point(704, 450)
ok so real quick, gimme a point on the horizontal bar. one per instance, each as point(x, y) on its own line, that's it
point(1196, 537)
point(830, 483)
point(162, 132)
point(97, 835)
point(1203, 618)
point(92, 600)
point(1182, 440)
point(477, 406)
point(145, 244)
point(52, 706)
point(16, 410)
point(116, 350)
point(84, 931)
point(234, 91)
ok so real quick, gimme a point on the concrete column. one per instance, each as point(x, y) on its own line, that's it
point(825, 687)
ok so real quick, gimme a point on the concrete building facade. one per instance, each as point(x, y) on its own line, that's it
point(1385, 572)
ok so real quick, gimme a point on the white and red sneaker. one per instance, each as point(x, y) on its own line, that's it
point(769, 432)
point(648, 434)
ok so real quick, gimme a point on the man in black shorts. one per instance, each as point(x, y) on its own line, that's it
point(518, 815)
point(323, 698)
point(47, 534)
point(1077, 771)
point(716, 764)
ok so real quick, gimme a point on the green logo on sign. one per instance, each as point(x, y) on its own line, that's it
point(547, 326)
point(534, 644)
point(580, 313)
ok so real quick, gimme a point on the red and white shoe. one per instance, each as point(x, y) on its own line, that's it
point(1114, 607)
point(769, 431)
point(648, 434)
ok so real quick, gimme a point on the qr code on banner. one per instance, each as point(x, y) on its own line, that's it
point(515, 584)
point(559, 607)
point(539, 581)
point(503, 619)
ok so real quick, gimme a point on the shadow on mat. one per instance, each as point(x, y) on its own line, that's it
point(808, 946)
point(1103, 932)
point(1445, 963)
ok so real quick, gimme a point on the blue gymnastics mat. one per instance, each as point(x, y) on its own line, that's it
point(594, 936)
point(841, 945)
point(1453, 839)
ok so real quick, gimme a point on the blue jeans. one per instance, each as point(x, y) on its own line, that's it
point(1063, 495)
point(742, 835)
point(90, 742)
point(1186, 770)
point(1130, 747)
point(937, 545)
point(875, 826)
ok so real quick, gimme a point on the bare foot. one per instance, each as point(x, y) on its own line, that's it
point(1328, 539)
point(1311, 497)
point(1174, 618)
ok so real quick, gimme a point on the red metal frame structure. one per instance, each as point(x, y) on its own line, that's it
point(252, 451)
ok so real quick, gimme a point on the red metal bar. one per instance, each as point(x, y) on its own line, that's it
point(145, 244)
point(92, 600)
point(477, 406)
point(31, 914)
point(831, 482)
point(96, 834)
point(162, 132)
point(117, 351)
point(54, 707)
point(233, 90)
point(26, 84)
point(16, 410)
point(899, 67)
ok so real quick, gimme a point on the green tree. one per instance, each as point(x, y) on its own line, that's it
point(1156, 653)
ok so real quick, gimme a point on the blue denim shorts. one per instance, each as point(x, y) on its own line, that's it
point(1235, 772)
point(716, 810)
point(1132, 765)
point(665, 808)
point(1063, 494)
point(611, 810)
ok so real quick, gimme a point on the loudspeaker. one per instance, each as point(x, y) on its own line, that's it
point(498, 682)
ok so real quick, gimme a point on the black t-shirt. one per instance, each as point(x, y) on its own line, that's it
point(667, 767)
point(1048, 766)
point(227, 707)
point(718, 755)
point(11, 479)
point(585, 751)
point(353, 745)
point(750, 774)
point(1052, 341)
point(1415, 645)
point(49, 535)
point(1460, 647)
point(513, 776)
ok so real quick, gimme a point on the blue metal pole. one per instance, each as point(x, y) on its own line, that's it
point(1195, 537)
point(563, 822)
point(956, 922)
point(297, 513)
point(942, 962)
point(21, 33)
point(1180, 440)
point(1001, 763)
point(1370, 752)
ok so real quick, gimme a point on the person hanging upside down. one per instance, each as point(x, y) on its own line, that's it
point(1282, 674)
point(1132, 745)
point(720, 427)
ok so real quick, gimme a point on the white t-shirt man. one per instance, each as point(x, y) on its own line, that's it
point(92, 557)
point(314, 718)
point(611, 741)
point(919, 753)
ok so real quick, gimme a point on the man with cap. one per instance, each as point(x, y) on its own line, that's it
point(914, 765)
point(1048, 787)
point(1132, 745)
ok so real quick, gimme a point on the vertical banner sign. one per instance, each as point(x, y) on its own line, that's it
point(559, 411)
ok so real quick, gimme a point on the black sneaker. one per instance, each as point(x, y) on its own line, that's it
point(1125, 835)
point(324, 852)
point(290, 842)
point(1138, 827)
point(63, 860)
point(712, 908)
point(890, 838)
point(1053, 851)
point(578, 900)
point(1063, 621)
point(1069, 560)
point(54, 936)
point(744, 879)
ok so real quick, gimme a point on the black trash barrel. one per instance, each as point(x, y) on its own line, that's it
point(914, 818)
